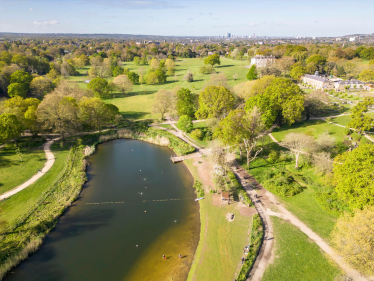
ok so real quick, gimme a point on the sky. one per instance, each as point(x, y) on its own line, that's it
point(189, 17)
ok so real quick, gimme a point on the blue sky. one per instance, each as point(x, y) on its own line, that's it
point(192, 17)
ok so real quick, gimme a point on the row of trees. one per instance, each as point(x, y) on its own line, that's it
point(64, 111)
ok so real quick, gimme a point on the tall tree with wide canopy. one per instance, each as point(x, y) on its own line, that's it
point(186, 103)
point(215, 102)
point(282, 102)
point(212, 60)
point(10, 127)
point(361, 121)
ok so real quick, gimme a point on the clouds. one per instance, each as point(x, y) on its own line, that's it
point(136, 4)
point(46, 23)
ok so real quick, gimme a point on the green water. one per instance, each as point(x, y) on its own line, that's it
point(126, 202)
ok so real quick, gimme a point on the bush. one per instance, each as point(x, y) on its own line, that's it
point(356, 137)
point(283, 184)
point(273, 156)
point(347, 131)
point(197, 134)
point(199, 188)
point(364, 140)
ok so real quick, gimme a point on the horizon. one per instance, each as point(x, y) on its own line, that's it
point(183, 18)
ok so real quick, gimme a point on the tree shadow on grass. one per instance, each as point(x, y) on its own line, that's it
point(227, 65)
point(302, 124)
point(134, 114)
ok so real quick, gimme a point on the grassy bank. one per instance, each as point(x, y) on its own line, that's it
point(221, 242)
point(297, 257)
point(24, 234)
point(13, 171)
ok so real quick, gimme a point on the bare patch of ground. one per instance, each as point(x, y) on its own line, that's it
point(216, 200)
point(204, 171)
point(246, 211)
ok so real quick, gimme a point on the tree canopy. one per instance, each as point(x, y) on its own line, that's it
point(186, 103)
point(252, 73)
point(215, 102)
point(282, 102)
point(212, 60)
point(10, 127)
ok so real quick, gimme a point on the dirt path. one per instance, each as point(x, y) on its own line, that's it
point(265, 202)
point(47, 166)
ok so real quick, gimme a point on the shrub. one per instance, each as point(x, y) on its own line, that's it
point(347, 131)
point(197, 134)
point(356, 137)
point(199, 188)
point(364, 140)
point(273, 156)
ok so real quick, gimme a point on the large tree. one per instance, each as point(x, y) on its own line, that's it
point(162, 102)
point(361, 121)
point(10, 127)
point(243, 129)
point(186, 103)
point(123, 83)
point(99, 87)
point(93, 112)
point(282, 102)
point(40, 86)
point(353, 237)
point(212, 60)
point(353, 173)
point(252, 73)
point(297, 72)
point(298, 143)
point(215, 102)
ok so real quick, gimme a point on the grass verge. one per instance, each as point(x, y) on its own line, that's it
point(297, 257)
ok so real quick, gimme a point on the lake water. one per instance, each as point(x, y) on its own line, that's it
point(134, 196)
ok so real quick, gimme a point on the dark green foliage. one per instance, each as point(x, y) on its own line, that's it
point(133, 77)
point(199, 189)
point(99, 86)
point(118, 71)
point(252, 73)
point(273, 156)
point(257, 234)
point(239, 188)
point(283, 183)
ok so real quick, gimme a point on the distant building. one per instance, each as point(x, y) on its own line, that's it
point(338, 39)
point(317, 81)
point(340, 85)
point(228, 35)
point(352, 39)
point(262, 61)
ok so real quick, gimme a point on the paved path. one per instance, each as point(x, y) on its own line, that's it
point(48, 165)
point(265, 202)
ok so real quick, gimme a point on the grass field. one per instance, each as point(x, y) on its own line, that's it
point(312, 127)
point(14, 172)
point(19, 203)
point(298, 258)
point(344, 120)
point(221, 242)
point(138, 104)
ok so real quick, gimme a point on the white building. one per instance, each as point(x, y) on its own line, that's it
point(262, 61)
point(352, 39)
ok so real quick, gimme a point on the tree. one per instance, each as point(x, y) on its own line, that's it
point(152, 78)
point(93, 112)
point(353, 174)
point(367, 75)
point(155, 63)
point(252, 73)
point(185, 123)
point(353, 238)
point(215, 102)
point(282, 102)
point(212, 60)
point(285, 63)
point(22, 78)
point(161, 76)
point(17, 89)
point(123, 83)
point(297, 72)
point(117, 71)
point(99, 87)
point(67, 69)
point(40, 86)
point(58, 114)
point(243, 129)
point(186, 103)
point(10, 127)
point(188, 77)
point(134, 78)
point(25, 111)
point(53, 74)
point(317, 59)
point(316, 103)
point(162, 102)
point(311, 68)
point(298, 143)
point(136, 61)
point(361, 121)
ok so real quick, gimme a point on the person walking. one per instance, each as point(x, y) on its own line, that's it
point(180, 256)
point(242, 260)
point(163, 256)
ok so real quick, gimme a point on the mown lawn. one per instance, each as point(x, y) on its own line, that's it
point(221, 242)
point(344, 120)
point(13, 172)
point(297, 257)
point(18, 204)
point(138, 103)
point(311, 127)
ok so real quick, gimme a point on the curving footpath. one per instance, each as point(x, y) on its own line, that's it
point(266, 204)
point(48, 165)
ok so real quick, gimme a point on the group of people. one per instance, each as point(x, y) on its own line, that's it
point(164, 257)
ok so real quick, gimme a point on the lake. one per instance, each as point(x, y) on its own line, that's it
point(136, 207)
